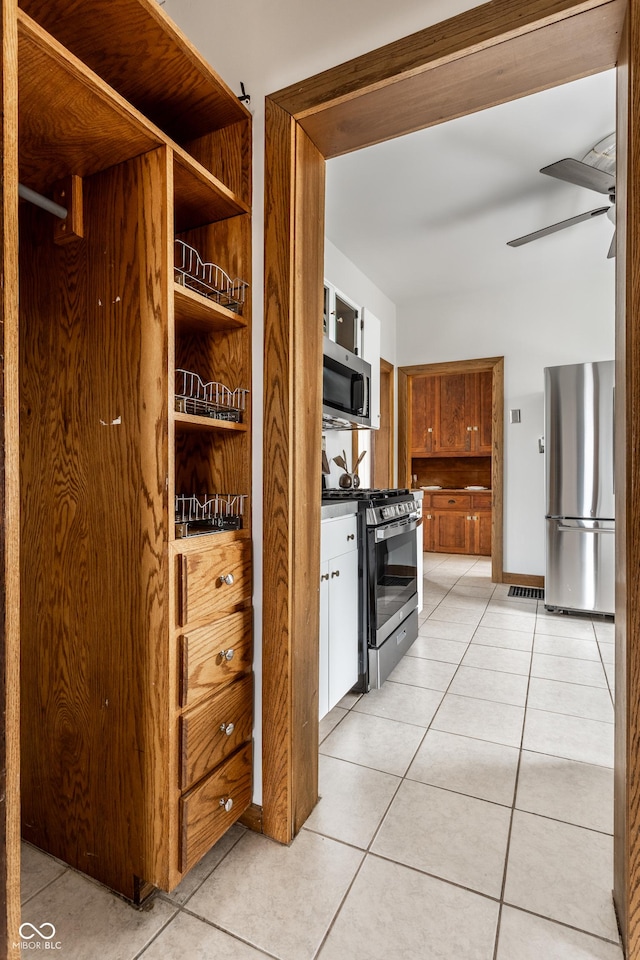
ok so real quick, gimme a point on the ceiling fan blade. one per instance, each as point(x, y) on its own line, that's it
point(582, 174)
point(612, 248)
point(554, 227)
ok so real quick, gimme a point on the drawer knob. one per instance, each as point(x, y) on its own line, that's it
point(335, 573)
point(227, 728)
point(227, 654)
point(324, 576)
point(351, 536)
point(469, 429)
point(227, 804)
point(228, 579)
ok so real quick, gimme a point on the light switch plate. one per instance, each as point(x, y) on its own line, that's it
point(514, 416)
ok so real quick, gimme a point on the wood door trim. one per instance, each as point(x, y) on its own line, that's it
point(9, 497)
point(427, 78)
point(494, 365)
point(496, 52)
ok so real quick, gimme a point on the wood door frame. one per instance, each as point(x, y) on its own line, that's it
point(387, 369)
point(491, 54)
point(495, 366)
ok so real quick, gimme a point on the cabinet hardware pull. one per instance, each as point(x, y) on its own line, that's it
point(351, 536)
point(429, 429)
point(475, 428)
point(324, 576)
point(226, 578)
point(469, 429)
point(335, 573)
point(183, 566)
point(227, 654)
point(227, 804)
point(451, 501)
point(469, 518)
point(429, 516)
point(227, 728)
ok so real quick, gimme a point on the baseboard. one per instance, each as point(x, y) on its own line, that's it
point(523, 580)
point(252, 818)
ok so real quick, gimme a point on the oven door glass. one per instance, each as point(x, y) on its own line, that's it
point(394, 574)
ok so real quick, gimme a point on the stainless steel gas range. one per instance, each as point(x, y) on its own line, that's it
point(388, 579)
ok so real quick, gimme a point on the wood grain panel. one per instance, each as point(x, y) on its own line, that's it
point(204, 666)
point(203, 819)
point(68, 116)
point(202, 591)
point(627, 480)
point(523, 579)
point(294, 224)
point(94, 576)
point(227, 154)
point(404, 451)
point(199, 196)
point(214, 730)
point(382, 440)
point(141, 53)
point(9, 494)
point(454, 68)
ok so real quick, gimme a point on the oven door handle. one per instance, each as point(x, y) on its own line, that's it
point(395, 529)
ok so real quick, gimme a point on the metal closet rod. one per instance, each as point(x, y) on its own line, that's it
point(28, 194)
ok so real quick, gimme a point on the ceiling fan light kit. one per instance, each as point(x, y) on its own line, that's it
point(595, 172)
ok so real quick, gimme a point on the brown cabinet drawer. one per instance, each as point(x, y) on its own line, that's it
point(211, 732)
point(213, 656)
point(203, 814)
point(213, 581)
point(481, 501)
point(460, 501)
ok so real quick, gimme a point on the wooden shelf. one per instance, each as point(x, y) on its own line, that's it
point(140, 52)
point(195, 314)
point(199, 197)
point(191, 423)
point(195, 544)
point(69, 115)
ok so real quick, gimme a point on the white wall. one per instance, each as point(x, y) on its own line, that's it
point(564, 318)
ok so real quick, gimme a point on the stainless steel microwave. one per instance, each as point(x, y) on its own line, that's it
point(346, 383)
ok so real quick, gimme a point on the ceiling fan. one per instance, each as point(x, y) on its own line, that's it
point(596, 171)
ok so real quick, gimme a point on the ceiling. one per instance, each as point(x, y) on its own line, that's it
point(431, 212)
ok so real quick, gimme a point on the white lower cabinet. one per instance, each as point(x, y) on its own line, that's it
point(338, 611)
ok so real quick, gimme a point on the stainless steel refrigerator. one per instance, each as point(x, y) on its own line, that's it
point(580, 532)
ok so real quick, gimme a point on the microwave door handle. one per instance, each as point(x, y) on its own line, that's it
point(357, 393)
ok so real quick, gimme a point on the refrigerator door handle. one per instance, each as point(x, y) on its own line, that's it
point(594, 526)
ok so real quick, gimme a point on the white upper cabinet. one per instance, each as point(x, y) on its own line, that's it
point(371, 353)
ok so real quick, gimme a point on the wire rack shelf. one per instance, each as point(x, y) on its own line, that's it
point(208, 513)
point(207, 279)
point(210, 399)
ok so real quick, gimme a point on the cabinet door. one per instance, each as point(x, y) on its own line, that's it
point(452, 532)
point(323, 682)
point(428, 545)
point(482, 534)
point(371, 353)
point(454, 429)
point(347, 320)
point(483, 417)
point(343, 625)
point(423, 415)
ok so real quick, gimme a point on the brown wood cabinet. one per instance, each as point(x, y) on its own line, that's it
point(451, 415)
point(457, 521)
point(136, 644)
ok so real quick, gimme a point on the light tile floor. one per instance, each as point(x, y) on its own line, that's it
point(466, 813)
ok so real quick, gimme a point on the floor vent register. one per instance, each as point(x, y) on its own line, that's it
point(530, 593)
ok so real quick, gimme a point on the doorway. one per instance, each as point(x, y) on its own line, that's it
point(486, 56)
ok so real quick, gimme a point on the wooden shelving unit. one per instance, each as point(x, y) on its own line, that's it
point(122, 773)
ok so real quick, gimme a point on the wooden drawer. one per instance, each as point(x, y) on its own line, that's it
point(452, 501)
point(338, 536)
point(203, 591)
point(213, 656)
point(203, 816)
point(214, 730)
point(481, 501)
